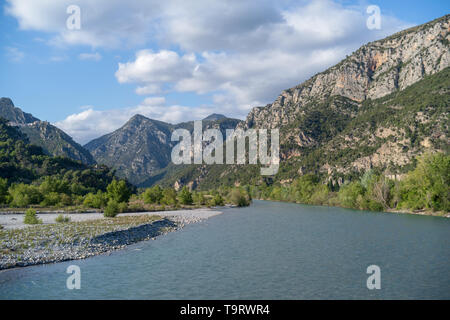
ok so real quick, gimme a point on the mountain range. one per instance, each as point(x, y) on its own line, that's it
point(377, 109)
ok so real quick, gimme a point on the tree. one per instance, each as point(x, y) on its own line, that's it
point(112, 209)
point(23, 195)
point(169, 196)
point(153, 194)
point(427, 186)
point(3, 190)
point(118, 191)
point(186, 196)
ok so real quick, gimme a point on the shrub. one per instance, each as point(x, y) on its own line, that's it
point(50, 199)
point(217, 200)
point(31, 217)
point(237, 197)
point(23, 195)
point(169, 197)
point(185, 196)
point(3, 190)
point(153, 195)
point(62, 219)
point(427, 186)
point(98, 200)
point(118, 191)
point(112, 209)
point(123, 207)
point(348, 195)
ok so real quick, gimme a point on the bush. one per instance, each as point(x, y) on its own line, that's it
point(23, 195)
point(31, 217)
point(62, 219)
point(237, 197)
point(169, 197)
point(118, 191)
point(3, 190)
point(98, 200)
point(153, 195)
point(112, 209)
point(350, 195)
point(427, 186)
point(185, 196)
point(123, 207)
point(50, 199)
point(218, 200)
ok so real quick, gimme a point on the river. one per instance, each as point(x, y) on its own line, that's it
point(269, 250)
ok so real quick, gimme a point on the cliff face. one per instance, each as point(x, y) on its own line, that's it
point(373, 71)
point(379, 108)
point(53, 140)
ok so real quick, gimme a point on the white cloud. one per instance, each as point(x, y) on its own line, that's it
point(90, 56)
point(14, 54)
point(247, 52)
point(242, 53)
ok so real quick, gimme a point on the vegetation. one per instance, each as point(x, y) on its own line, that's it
point(31, 217)
point(62, 219)
point(427, 187)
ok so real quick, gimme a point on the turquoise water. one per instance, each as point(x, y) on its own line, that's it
point(269, 250)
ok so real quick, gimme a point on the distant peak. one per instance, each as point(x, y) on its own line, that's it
point(6, 102)
point(214, 117)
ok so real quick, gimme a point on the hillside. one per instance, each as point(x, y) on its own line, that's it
point(22, 162)
point(377, 109)
point(53, 140)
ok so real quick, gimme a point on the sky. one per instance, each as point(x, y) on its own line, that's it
point(177, 60)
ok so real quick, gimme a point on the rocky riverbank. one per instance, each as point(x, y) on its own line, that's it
point(56, 242)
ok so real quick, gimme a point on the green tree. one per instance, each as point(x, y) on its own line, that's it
point(153, 194)
point(23, 195)
point(169, 197)
point(111, 209)
point(97, 200)
point(427, 186)
point(3, 190)
point(185, 196)
point(351, 194)
point(118, 191)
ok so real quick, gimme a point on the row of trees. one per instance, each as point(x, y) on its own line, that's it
point(168, 196)
point(425, 187)
point(59, 192)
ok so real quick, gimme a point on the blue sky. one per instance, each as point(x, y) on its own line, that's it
point(177, 61)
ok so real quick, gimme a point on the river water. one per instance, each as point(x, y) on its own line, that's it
point(269, 250)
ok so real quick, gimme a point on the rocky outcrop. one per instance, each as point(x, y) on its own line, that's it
point(373, 71)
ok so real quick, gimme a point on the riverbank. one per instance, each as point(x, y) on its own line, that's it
point(86, 235)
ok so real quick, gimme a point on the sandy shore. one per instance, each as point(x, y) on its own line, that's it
point(15, 220)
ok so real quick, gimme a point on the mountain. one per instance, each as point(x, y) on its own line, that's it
point(53, 140)
point(377, 109)
point(22, 162)
point(143, 146)
point(9, 112)
point(214, 117)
